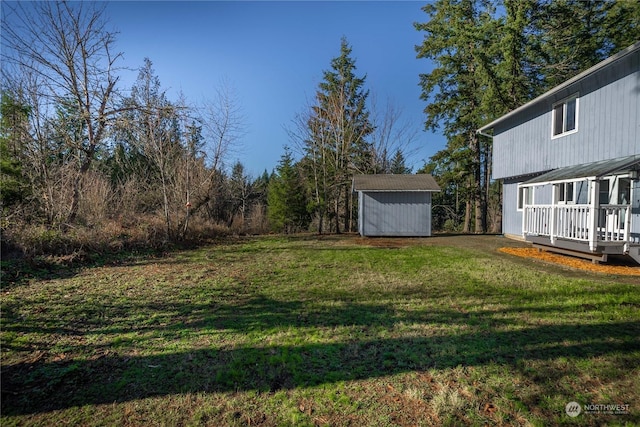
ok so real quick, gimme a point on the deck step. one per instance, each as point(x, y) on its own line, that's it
point(594, 257)
point(634, 252)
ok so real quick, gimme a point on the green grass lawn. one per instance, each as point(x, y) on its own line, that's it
point(320, 331)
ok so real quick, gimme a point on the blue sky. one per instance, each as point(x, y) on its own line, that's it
point(274, 54)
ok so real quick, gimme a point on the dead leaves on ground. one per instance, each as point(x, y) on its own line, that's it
point(572, 262)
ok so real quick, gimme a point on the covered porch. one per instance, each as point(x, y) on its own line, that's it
point(586, 209)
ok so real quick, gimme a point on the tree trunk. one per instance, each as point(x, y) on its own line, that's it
point(466, 228)
point(478, 215)
point(77, 183)
point(165, 198)
point(476, 192)
point(347, 209)
point(498, 220)
point(336, 211)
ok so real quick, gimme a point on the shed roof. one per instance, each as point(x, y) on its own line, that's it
point(588, 170)
point(628, 51)
point(419, 182)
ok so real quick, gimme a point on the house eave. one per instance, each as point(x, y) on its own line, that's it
point(625, 52)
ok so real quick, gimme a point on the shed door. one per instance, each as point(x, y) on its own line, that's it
point(396, 214)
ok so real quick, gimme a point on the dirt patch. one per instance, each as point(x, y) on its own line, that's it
point(572, 262)
point(482, 242)
point(388, 242)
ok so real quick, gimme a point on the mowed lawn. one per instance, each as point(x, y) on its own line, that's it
point(338, 331)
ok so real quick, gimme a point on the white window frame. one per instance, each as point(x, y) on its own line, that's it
point(565, 187)
point(522, 196)
point(564, 102)
point(614, 187)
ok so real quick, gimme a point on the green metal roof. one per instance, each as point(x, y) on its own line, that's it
point(588, 170)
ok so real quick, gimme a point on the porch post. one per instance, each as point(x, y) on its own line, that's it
point(524, 212)
point(552, 216)
point(627, 226)
point(595, 207)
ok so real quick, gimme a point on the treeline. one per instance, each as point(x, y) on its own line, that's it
point(491, 57)
point(158, 176)
point(89, 165)
point(86, 164)
point(342, 132)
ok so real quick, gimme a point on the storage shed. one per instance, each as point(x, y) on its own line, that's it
point(394, 205)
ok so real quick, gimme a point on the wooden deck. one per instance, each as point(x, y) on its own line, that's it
point(582, 250)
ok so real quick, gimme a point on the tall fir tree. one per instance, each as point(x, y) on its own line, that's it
point(338, 147)
point(286, 198)
point(489, 63)
point(573, 35)
point(459, 37)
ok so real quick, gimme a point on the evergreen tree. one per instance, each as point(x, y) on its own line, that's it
point(338, 145)
point(240, 189)
point(448, 205)
point(260, 187)
point(488, 64)
point(287, 202)
point(13, 120)
point(460, 37)
point(398, 165)
point(576, 34)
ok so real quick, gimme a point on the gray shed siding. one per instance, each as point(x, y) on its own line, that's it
point(608, 125)
point(394, 213)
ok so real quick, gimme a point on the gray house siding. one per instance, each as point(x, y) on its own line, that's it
point(608, 125)
point(543, 195)
point(395, 213)
point(512, 218)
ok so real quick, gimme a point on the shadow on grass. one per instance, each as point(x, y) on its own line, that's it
point(20, 271)
point(105, 376)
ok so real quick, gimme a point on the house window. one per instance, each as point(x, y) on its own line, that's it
point(565, 116)
point(525, 197)
point(565, 192)
point(624, 191)
point(582, 192)
point(603, 196)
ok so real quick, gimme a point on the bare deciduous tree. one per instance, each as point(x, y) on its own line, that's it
point(67, 47)
point(223, 124)
point(391, 134)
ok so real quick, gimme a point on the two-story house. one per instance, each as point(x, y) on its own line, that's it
point(569, 162)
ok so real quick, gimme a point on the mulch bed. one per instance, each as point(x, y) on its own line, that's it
point(572, 262)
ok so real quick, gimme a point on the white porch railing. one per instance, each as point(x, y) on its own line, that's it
point(537, 220)
point(613, 223)
point(574, 222)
